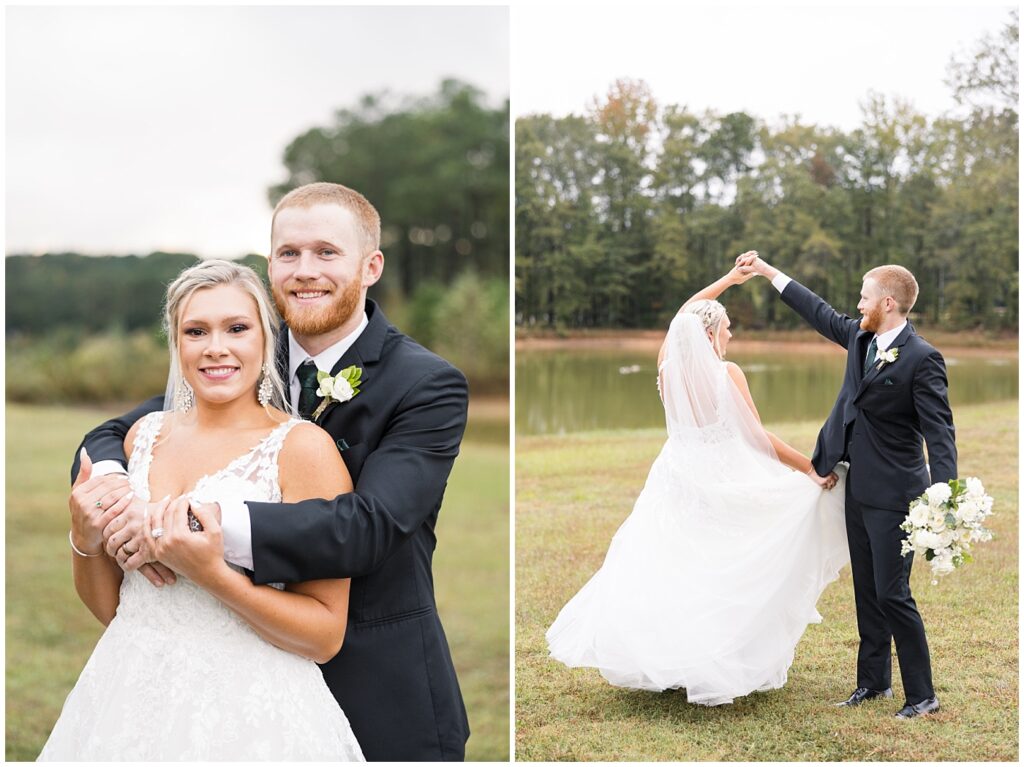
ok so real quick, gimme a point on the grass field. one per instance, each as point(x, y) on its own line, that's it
point(573, 492)
point(50, 634)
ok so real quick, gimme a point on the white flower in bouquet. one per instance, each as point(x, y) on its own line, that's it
point(943, 522)
point(938, 494)
point(919, 514)
point(974, 488)
point(943, 563)
point(937, 520)
point(926, 539)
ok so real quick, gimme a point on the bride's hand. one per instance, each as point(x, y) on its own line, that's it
point(743, 270)
point(825, 483)
point(192, 554)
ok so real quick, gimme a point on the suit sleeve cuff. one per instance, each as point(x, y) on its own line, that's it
point(102, 468)
point(234, 522)
point(780, 281)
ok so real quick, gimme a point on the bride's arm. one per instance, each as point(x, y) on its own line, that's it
point(733, 277)
point(789, 455)
point(309, 618)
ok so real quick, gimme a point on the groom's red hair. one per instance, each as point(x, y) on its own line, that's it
point(898, 282)
point(323, 192)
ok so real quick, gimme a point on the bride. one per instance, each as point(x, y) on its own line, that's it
point(212, 667)
point(712, 579)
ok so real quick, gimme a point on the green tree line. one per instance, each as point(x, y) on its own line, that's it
point(625, 211)
point(87, 328)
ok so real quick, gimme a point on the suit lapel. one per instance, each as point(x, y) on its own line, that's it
point(873, 373)
point(863, 339)
point(364, 352)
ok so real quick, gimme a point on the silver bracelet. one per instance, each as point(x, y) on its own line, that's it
point(78, 551)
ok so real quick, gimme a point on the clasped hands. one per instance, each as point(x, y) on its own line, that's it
point(748, 265)
point(107, 517)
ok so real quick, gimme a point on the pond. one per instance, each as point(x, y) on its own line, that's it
point(572, 390)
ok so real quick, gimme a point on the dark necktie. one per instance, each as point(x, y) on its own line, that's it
point(308, 398)
point(872, 353)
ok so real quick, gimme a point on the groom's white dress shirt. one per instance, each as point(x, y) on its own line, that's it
point(780, 281)
point(235, 523)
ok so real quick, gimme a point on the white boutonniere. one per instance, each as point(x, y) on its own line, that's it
point(339, 388)
point(884, 358)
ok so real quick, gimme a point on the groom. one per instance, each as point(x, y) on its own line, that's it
point(894, 394)
point(398, 437)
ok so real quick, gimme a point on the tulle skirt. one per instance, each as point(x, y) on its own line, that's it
point(709, 584)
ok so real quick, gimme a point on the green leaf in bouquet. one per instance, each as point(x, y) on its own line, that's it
point(950, 520)
point(929, 555)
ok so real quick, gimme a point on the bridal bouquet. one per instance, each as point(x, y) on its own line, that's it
point(945, 521)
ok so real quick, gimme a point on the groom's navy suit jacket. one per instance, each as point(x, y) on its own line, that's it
point(399, 437)
point(880, 418)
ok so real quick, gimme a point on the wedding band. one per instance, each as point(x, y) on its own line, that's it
point(157, 532)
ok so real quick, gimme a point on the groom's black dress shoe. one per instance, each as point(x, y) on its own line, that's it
point(862, 694)
point(926, 706)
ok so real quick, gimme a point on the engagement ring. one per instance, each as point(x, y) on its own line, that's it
point(157, 532)
point(99, 504)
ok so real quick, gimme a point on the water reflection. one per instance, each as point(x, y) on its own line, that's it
point(567, 391)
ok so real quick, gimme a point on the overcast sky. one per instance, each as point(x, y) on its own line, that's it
point(160, 128)
point(818, 62)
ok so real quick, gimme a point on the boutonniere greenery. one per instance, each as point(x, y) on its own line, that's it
point(339, 388)
point(889, 355)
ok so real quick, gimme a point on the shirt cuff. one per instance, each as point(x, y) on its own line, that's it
point(102, 468)
point(234, 523)
point(780, 281)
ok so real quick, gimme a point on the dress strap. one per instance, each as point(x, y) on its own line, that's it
point(142, 452)
point(263, 458)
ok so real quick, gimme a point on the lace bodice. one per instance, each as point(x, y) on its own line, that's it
point(252, 476)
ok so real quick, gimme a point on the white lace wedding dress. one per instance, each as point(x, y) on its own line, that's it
point(709, 584)
point(177, 676)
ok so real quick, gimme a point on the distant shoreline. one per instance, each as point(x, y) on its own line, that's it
point(966, 344)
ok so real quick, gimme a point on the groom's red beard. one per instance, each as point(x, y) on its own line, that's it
point(316, 320)
point(873, 320)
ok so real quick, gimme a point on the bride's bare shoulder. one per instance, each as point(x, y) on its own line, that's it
point(736, 374)
point(310, 464)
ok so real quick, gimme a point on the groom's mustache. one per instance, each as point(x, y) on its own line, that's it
point(293, 286)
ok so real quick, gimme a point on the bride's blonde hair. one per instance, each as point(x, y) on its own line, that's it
point(711, 313)
point(209, 274)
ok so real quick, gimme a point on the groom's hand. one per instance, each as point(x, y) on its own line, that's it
point(126, 543)
point(203, 510)
point(741, 272)
point(751, 263)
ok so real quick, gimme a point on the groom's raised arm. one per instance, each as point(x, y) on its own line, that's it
point(106, 441)
point(815, 310)
point(399, 487)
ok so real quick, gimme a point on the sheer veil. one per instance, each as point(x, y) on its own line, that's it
point(701, 401)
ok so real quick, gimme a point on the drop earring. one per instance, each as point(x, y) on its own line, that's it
point(184, 396)
point(266, 387)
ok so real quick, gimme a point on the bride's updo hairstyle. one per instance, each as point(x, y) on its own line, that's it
point(210, 274)
point(711, 314)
